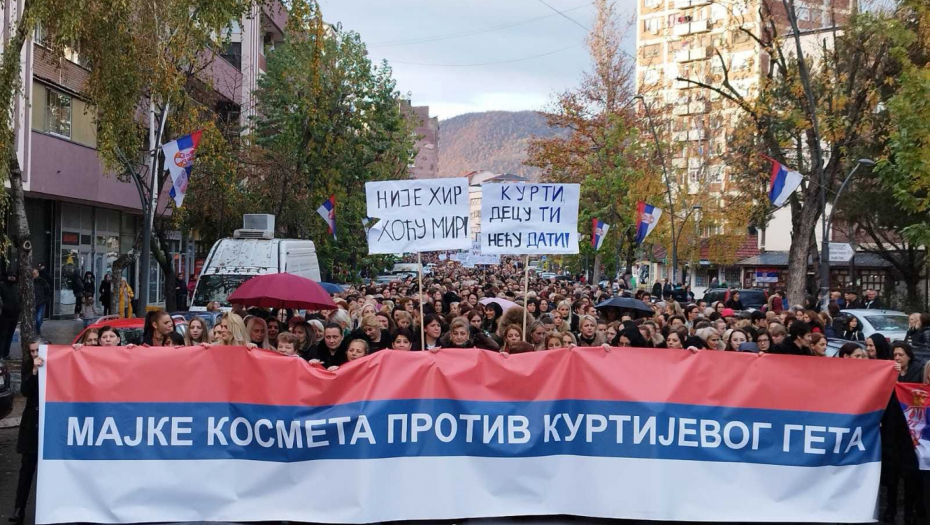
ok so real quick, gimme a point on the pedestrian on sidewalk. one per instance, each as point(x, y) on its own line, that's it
point(77, 288)
point(9, 314)
point(43, 293)
point(27, 444)
point(106, 291)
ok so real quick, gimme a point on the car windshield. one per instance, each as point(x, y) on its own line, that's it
point(130, 336)
point(888, 323)
point(752, 297)
point(217, 288)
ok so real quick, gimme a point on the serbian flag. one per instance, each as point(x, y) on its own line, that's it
point(598, 233)
point(327, 210)
point(914, 399)
point(782, 184)
point(179, 159)
point(647, 217)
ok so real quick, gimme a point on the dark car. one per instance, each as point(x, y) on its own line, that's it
point(6, 391)
point(752, 298)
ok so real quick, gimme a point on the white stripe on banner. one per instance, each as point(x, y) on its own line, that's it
point(344, 491)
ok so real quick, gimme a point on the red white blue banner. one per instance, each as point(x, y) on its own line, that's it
point(914, 398)
point(179, 160)
point(229, 434)
point(647, 218)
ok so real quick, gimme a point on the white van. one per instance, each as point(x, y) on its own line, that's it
point(252, 251)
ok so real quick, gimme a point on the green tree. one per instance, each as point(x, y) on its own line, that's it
point(815, 111)
point(328, 121)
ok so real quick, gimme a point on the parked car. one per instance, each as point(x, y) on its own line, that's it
point(130, 330)
point(890, 323)
point(752, 298)
point(547, 275)
point(6, 391)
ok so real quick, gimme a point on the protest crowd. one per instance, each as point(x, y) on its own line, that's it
point(484, 308)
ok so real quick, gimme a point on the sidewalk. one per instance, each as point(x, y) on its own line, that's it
point(59, 332)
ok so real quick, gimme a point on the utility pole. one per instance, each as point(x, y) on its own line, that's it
point(668, 188)
point(826, 225)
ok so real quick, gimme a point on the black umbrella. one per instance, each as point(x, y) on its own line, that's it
point(626, 304)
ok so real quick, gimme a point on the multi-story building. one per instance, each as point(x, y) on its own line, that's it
point(81, 217)
point(700, 40)
point(475, 180)
point(426, 163)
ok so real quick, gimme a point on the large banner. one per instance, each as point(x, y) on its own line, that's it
point(418, 215)
point(530, 219)
point(914, 399)
point(228, 434)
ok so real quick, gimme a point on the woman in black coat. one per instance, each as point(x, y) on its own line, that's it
point(28, 443)
point(105, 291)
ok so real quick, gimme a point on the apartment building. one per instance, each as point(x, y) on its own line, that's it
point(81, 217)
point(699, 40)
point(426, 163)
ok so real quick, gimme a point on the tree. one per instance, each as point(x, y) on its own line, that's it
point(813, 111)
point(146, 56)
point(605, 150)
point(59, 17)
point(327, 122)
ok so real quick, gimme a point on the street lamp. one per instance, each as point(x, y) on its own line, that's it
point(825, 240)
point(668, 187)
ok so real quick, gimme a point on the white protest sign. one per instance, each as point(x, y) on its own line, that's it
point(529, 218)
point(476, 257)
point(418, 215)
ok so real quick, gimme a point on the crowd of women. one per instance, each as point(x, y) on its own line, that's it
point(485, 309)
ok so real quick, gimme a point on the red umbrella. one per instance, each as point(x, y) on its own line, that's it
point(282, 290)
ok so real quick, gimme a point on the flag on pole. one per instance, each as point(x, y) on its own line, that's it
point(598, 233)
point(647, 217)
point(327, 210)
point(179, 159)
point(782, 183)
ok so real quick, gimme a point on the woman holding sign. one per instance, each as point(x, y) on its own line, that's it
point(27, 443)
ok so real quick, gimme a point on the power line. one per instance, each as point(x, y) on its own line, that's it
point(579, 24)
point(486, 63)
point(396, 43)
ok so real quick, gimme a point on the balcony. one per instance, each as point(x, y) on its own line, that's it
point(680, 136)
point(681, 109)
point(692, 54)
point(690, 28)
point(686, 4)
point(679, 163)
point(683, 84)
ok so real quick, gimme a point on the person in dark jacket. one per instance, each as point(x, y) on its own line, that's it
point(657, 289)
point(899, 459)
point(734, 302)
point(797, 342)
point(462, 335)
point(89, 283)
point(852, 300)
point(27, 444)
point(872, 301)
point(9, 315)
point(43, 294)
point(331, 351)
point(853, 331)
point(77, 288)
point(106, 291)
point(630, 336)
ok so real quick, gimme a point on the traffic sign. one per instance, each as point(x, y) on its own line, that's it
point(841, 252)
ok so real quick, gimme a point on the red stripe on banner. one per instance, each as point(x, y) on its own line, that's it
point(234, 374)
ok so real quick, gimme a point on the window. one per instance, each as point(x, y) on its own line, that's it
point(652, 4)
point(652, 51)
point(652, 25)
point(58, 113)
point(40, 35)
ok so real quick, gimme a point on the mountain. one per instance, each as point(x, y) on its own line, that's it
point(494, 141)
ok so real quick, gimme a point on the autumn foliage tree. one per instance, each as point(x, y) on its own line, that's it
point(605, 151)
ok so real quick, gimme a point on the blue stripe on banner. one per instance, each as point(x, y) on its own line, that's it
point(443, 427)
point(185, 142)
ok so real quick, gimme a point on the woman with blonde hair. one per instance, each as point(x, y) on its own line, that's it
point(257, 329)
point(231, 331)
point(197, 332)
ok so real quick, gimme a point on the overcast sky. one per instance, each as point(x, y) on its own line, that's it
point(446, 53)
